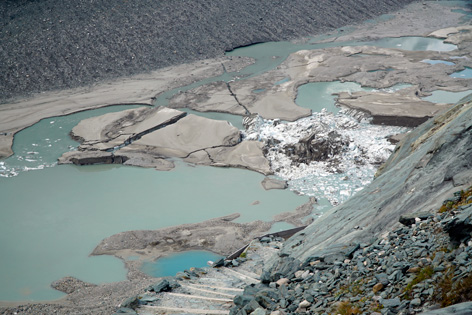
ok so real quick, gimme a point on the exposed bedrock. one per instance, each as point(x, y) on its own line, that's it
point(317, 147)
point(428, 164)
point(147, 137)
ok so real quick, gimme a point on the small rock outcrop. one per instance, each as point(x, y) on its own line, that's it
point(272, 183)
point(316, 147)
point(71, 284)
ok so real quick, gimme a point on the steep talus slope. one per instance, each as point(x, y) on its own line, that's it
point(429, 164)
point(51, 44)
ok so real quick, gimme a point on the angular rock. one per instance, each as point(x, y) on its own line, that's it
point(415, 302)
point(282, 281)
point(460, 226)
point(458, 309)
point(390, 303)
point(241, 300)
point(131, 302)
point(271, 183)
point(316, 147)
point(409, 219)
point(259, 311)
point(382, 278)
point(160, 286)
point(378, 287)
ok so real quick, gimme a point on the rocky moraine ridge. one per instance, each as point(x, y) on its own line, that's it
point(49, 45)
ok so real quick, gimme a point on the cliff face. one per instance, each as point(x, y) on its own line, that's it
point(428, 165)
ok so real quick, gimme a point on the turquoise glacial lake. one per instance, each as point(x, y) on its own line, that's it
point(170, 265)
point(52, 218)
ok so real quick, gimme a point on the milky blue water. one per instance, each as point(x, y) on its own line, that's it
point(446, 96)
point(464, 74)
point(269, 55)
point(41, 145)
point(170, 265)
point(319, 95)
point(284, 80)
point(435, 62)
point(280, 226)
point(52, 218)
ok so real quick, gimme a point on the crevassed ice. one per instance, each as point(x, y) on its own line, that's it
point(339, 177)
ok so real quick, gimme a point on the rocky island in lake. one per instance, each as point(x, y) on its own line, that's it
point(216, 134)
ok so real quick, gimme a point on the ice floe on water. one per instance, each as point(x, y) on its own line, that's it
point(354, 149)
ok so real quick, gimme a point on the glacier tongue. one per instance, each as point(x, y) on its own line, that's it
point(365, 147)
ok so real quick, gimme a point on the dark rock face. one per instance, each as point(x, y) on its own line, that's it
point(316, 147)
point(409, 219)
point(460, 226)
point(53, 44)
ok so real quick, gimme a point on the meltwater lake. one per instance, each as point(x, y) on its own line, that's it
point(53, 216)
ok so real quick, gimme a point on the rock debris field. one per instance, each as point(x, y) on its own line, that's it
point(51, 44)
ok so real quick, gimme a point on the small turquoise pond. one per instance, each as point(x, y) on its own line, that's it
point(435, 62)
point(446, 96)
point(319, 95)
point(464, 74)
point(170, 265)
point(284, 80)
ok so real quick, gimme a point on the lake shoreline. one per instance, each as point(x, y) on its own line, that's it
point(93, 298)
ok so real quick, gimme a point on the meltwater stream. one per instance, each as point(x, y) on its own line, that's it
point(52, 218)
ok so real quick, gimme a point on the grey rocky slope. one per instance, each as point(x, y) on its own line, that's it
point(53, 44)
